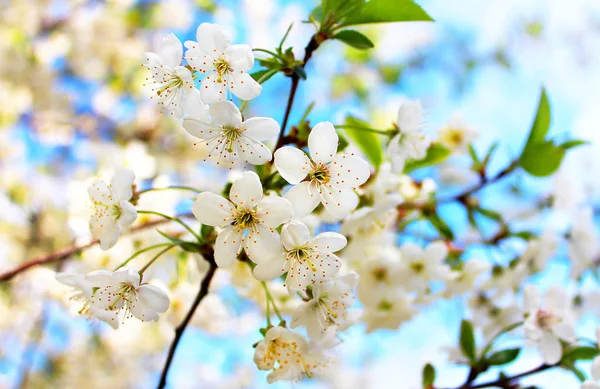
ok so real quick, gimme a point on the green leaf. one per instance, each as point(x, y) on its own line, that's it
point(573, 369)
point(354, 38)
point(503, 357)
point(573, 143)
point(583, 353)
point(428, 376)
point(436, 154)
point(368, 142)
point(263, 75)
point(474, 157)
point(542, 159)
point(440, 225)
point(190, 247)
point(467, 340)
point(386, 11)
point(317, 13)
point(489, 214)
point(541, 124)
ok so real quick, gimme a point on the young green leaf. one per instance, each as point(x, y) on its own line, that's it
point(573, 143)
point(385, 11)
point(368, 142)
point(354, 39)
point(503, 357)
point(440, 225)
point(436, 154)
point(467, 340)
point(541, 124)
point(542, 159)
point(428, 376)
point(582, 353)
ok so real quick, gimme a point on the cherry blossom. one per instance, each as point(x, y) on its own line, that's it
point(172, 83)
point(225, 65)
point(328, 307)
point(325, 177)
point(389, 312)
point(249, 219)
point(123, 290)
point(410, 143)
point(307, 260)
point(112, 209)
point(230, 140)
point(420, 266)
point(548, 321)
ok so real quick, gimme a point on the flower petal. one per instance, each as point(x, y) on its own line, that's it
point(268, 271)
point(261, 128)
point(550, 348)
point(212, 90)
point(225, 113)
point(294, 234)
point(126, 275)
point(246, 191)
point(596, 368)
point(263, 245)
point(105, 229)
point(253, 151)
point(329, 242)
point(213, 210)
point(323, 142)
point(292, 164)
point(348, 170)
point(153, 297)
point(239, 57)
point(273, 211)
point(200, 129)
point(99, 192)
point(338, 201)
point(99, 278)
point(436, 252)
point(531, 298)
point(244, 86)
point(227, 246)
point(122, 184)
point(212, 38)
point(304, 199)
point(143, 312)
point(128, 213)
point(170, 50)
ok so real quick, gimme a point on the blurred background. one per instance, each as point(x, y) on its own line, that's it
point(73, 106)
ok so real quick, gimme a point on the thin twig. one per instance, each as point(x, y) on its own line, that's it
point(188, 317)
point(507, 382)
point(64, 254)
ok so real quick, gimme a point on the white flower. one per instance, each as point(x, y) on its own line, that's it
point(248, 218)
point(112, 209)
point(593, 384)
point(328, 307)
point(546, 325)
point(410, 143)
point(325, 177)
point(457, 135)
point(307, 260)
point(173, 83)
point(389, 312)
point(379, 274)
point(122, 290)
point(82, 292)
point(228, 139)
point(224, 64)
point(539, 251)
point(289, 355)
point(583, 243)
point(466, 279)
point(422, 266)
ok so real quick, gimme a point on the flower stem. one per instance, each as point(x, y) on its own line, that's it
point(141, 252)
point(146, 266)
point(270, 298)
point(175, 219)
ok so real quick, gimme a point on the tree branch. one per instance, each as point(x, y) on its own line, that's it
point(64, 254)
point(188, 317)
point(507, 382)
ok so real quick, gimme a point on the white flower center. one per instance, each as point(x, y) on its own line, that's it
point(319, 174)
point(245, 219)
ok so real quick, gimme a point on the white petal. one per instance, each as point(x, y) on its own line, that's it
point(531, 298)
point(99, 278)
point(211, 90)
point(253, 151)
point(436, 252)
point(212, 38)
point(329, 242)
point(170, 50)
point(109, 317)
point(556, 299)
point(410, 116)
point(126, 275)
point(153, 297)
point(193, 106)
point(246, 191)
point(227, 246)
point(273, 211)
point(294, 234)
point(122, 183)
point(213, 210)
point(596, 368)
point(565, 330)
point(268, 271)
point(225, 113)
point(244, 86)
point(263, 245)
point(128, 213)
point(261, 128)
point(323, 142)
point(292, 164)
point(304, 199)
point(143, 312)
point(239, 57)
point(200, 129)
point(100, 193)
point(105, 229)
point(338, 201)
point(551, 348)
point(590, 385)
point(348, 170)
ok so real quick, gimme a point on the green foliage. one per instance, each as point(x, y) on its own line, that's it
point(428, 376)
point(503, 357)
point(541, 124)
point(262, 76)
point(436, 154)
point(354, 38)
point(582, 353)
point(467, 340)
point(441, 226)
point(368, 142)
point(384, 11)
point(191, 247)
point(490, 214)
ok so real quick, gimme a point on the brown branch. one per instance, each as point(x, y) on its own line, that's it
point(507, 382)
point(188, 317)
point(313, 44)
point(64, 254)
